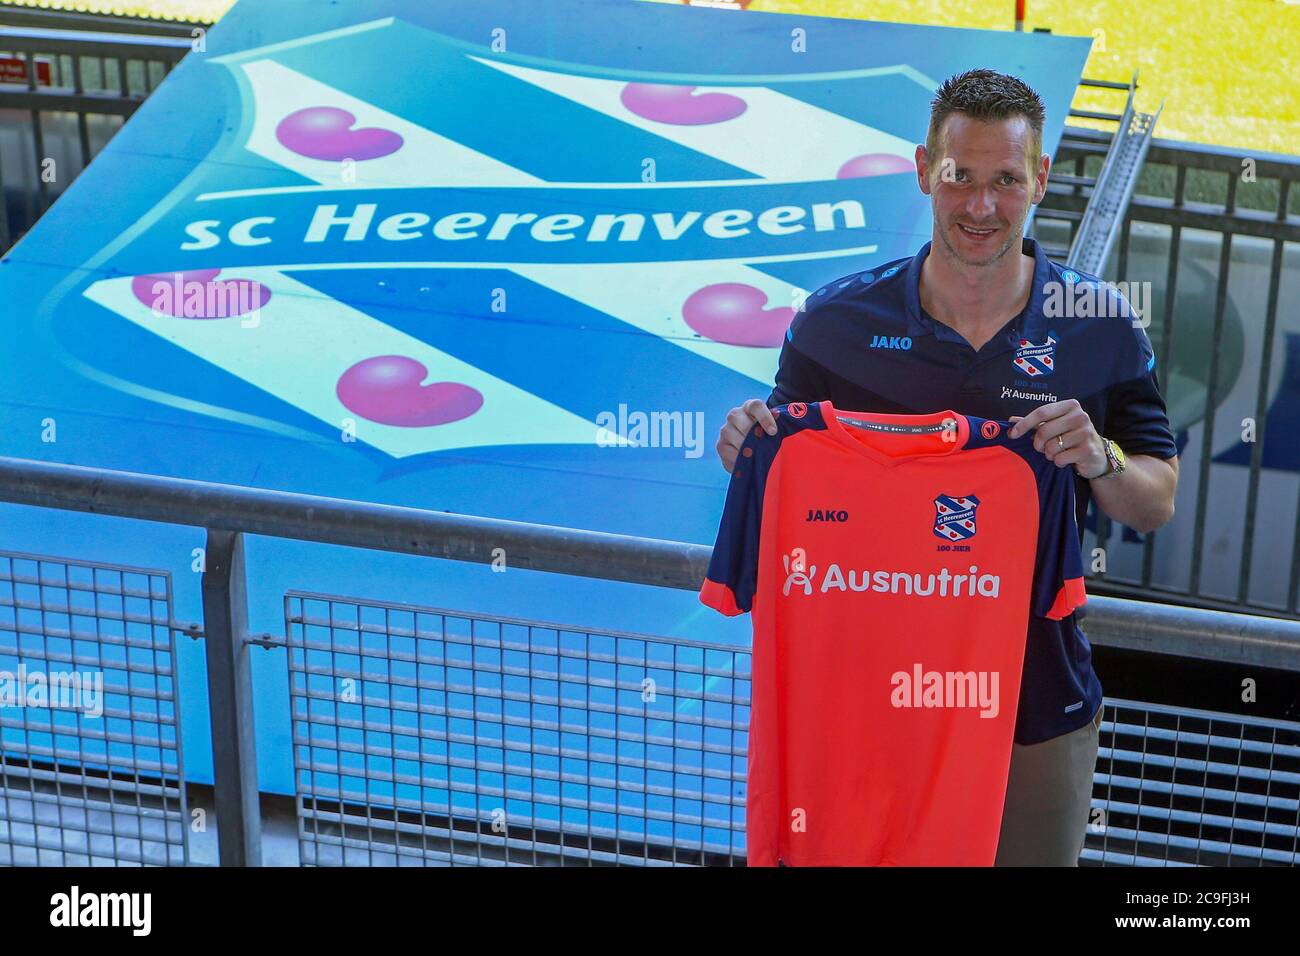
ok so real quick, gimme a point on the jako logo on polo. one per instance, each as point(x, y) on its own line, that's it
point(891, 342)
point(828, 515)
point(954, 518)
point(1036, 359)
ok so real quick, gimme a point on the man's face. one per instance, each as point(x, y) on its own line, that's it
point(981, 186)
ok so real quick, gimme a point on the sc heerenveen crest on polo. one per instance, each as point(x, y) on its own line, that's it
point(1036, 359)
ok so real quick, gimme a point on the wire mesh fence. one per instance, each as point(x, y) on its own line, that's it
point(1182, 787)
point(425, 736)
point(90, 760)
point(428, 736)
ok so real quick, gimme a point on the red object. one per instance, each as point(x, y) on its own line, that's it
point(853, 760)
point(13, 69)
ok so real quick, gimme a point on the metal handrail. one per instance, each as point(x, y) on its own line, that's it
point(1117, 622)
point(133, 46)
point(437, 534)
point(64, 20)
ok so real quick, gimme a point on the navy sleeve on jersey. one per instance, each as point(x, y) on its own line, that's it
point(1058, 561)
point(732, 577)
point(1058, 568)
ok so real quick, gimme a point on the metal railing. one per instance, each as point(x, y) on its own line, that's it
point(430, 735)
point(21, 16)
point(97, 80)
point(90, 765)
point(1221, 253)
point(1184, 787)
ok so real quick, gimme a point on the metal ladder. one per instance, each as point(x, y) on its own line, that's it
point(1098, 224)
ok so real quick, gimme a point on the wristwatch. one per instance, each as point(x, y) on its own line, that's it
point(1114, 459)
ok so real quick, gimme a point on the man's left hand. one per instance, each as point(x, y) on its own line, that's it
point(1065, 434)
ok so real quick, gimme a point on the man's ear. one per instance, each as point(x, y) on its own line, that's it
point(923, 169)
point(1040, 178)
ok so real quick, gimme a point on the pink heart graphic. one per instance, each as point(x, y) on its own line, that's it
point(325, 132)
point(678, 105)
point(387, 389)
point(733, 313)
point(169, 293)
point(875, 164)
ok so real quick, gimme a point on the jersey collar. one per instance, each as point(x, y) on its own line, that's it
point(872, 445)
point(1028, 325)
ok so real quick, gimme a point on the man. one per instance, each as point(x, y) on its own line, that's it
point(980, 321)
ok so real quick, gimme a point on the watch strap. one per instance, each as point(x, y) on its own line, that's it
point(1112, 460)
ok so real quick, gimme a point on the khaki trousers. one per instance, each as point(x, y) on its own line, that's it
point(1049, 789)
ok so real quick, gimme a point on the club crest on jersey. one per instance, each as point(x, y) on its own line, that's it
point(1036, 359)
point(954, 517)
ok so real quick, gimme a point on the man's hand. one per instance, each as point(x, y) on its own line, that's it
point(1142, 497)
point(1065, 434)
point(739, 422)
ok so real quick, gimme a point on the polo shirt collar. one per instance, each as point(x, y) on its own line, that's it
point(1029, 324)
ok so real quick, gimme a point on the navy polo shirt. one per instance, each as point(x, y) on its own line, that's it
point(864, 343)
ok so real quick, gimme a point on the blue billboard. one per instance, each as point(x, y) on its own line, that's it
point(502, 259)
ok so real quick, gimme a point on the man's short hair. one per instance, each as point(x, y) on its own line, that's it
point(989, 96)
